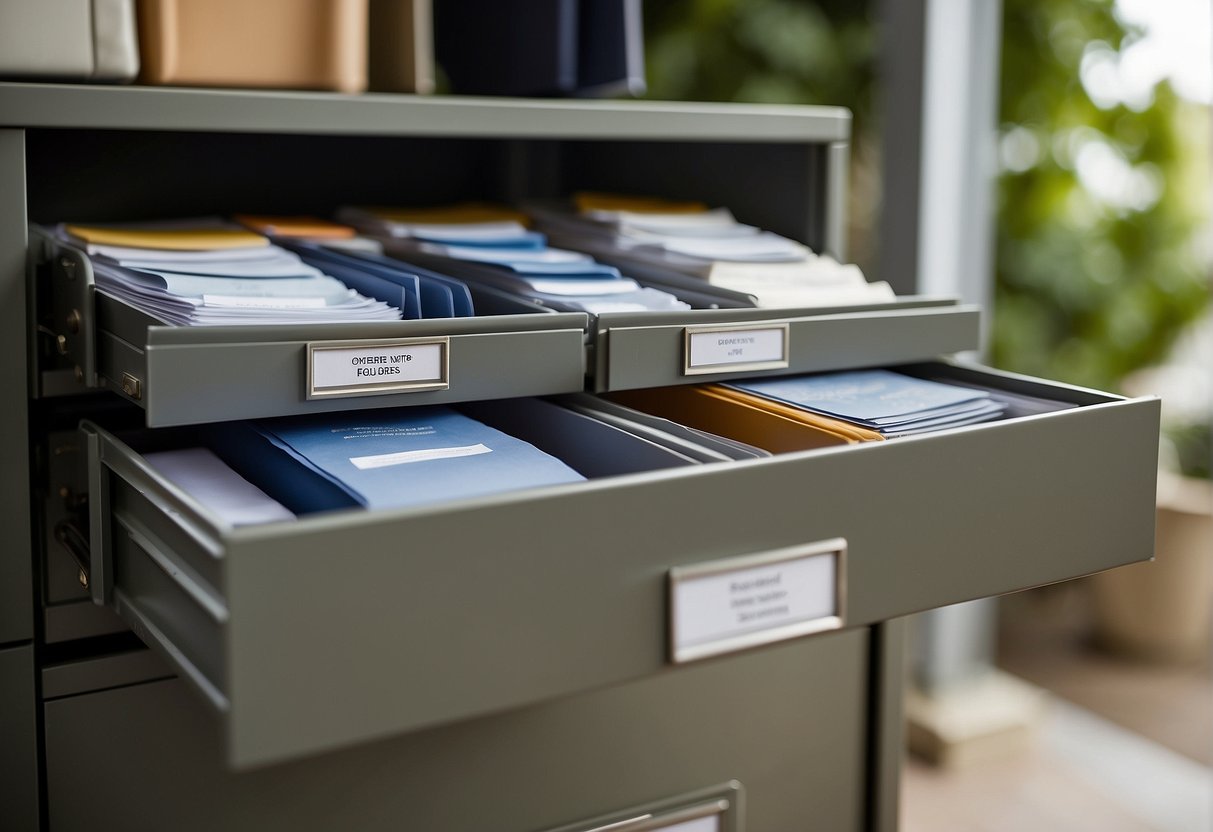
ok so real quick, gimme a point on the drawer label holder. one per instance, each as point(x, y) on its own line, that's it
point(735, 348)
point(374, 367)
point(733, 604)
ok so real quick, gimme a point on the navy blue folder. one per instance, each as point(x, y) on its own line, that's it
point(440, 296)
point(382, 458)
point(460, 296)
point(507, 47)
point(403, 290)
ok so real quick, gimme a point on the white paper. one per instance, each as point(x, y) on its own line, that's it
point(586, 287)
point(759, 248)
point(262, 302)
point(469, 231)
point(506, 255)
point(219, 489)
point(182, 299)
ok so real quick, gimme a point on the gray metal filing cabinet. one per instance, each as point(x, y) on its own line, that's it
point(500, 663)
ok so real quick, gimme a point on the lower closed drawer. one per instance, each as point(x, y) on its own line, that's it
point(779, 733)
point(339, 628)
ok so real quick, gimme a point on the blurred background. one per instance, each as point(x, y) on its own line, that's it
point(1087, 122)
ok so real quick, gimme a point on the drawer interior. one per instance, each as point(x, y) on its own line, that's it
point(591, 448)
point(512, 348)
point(195, 374)
point(260, 618)
point(699, 409)
point(595, 447)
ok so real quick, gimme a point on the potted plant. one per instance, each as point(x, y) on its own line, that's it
point(1164, 610)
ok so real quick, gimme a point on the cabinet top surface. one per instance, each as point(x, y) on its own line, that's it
point(260, 111)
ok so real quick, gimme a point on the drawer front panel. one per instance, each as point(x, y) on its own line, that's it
point(191, 375)
point(788, 724)
point(246, 381)
point(355, 625)
point(635, 352)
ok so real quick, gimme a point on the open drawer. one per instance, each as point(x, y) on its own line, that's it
point(190, 375)
point(338, 628)
point(636, 350)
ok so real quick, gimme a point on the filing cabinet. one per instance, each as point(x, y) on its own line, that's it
point(502, 662)
point(787, 725)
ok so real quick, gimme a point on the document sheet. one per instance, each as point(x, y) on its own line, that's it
point(708, 243)
point(496, 249)
point(881, 400)
point(206, 272)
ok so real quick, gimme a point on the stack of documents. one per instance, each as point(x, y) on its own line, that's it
point(359, 263)
point(889, 403)
point(689, 238)
point(419, 292)
point(494, 248)
point(383, 458)
point(208, 272)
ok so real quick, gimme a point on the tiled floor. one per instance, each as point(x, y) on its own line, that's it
point(1126, 746)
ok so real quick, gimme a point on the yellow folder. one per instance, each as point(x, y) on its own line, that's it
point(593, 201)
point(765, 424)
point(310, 227)
point(176, 239)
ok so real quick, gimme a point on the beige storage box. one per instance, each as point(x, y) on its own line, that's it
point(88, 40)
point(286, 44)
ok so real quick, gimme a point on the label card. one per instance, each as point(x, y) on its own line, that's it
point(731, 348)
point(737, 603)
point(365, 368)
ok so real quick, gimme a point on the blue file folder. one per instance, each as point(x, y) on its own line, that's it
point(403, 290)
point(439, 296)
point(383, 458)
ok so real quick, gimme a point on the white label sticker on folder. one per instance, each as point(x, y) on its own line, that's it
point(363, 463)
point(363, 368)
point(721, 349)
point(737, 603)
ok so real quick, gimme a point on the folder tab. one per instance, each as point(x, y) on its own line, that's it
point(310, 227)
point(175, 239)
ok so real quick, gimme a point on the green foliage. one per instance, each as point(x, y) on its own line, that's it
point(768, 51)
point(1096, 274)
point(1091, 283)
point(776, 52)
point(1193, 447)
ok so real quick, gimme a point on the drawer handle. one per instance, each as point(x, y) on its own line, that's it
point(100, 580)
point(75, 542)
point(147, 630)
point(664, 820)
point(622, 825)
point(179, 574)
